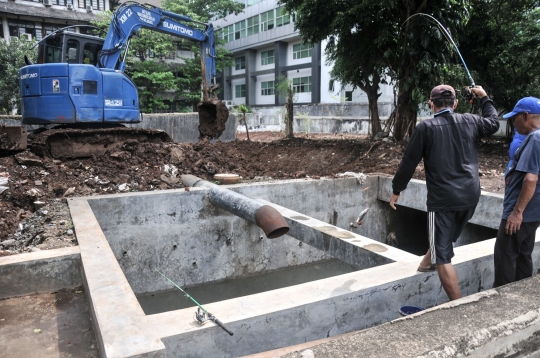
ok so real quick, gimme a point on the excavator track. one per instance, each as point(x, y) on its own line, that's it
point(63, 143)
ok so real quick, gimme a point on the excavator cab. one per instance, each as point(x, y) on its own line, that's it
point(70, 47)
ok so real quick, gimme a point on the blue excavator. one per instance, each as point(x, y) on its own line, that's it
point(79, 84)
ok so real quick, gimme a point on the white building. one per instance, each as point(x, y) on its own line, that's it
point(34, 19)
point(265, 46)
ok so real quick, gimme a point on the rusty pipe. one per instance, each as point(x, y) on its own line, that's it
point(264, 216)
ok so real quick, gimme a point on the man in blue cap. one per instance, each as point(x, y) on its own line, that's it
point(521, 208)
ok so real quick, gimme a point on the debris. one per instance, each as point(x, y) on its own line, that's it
point(69, 192)
point(391, 239)
point(360, 177)
point(34, 193)
point(168, 180)
point(123, 187)
point(37, 330)
point(28, 158)
point(360, 219)
point(177, 155)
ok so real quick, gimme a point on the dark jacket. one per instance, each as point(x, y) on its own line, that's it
point(447, 143)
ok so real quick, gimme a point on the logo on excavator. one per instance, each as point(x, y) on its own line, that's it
point(29, 75)
point(178, 28)
point(125, 16)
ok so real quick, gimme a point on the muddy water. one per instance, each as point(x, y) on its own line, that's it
point(215, 292)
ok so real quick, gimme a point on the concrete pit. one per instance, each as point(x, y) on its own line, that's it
point(124, 238)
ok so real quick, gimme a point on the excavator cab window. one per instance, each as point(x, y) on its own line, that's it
point(51, 50)
point(90, 53)
point(72, 51)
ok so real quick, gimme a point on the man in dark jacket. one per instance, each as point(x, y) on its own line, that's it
point(447, 143)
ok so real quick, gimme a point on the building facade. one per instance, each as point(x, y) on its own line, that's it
point(265, 47)
point(34, 19)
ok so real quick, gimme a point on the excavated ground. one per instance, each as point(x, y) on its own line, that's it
point(33, 188)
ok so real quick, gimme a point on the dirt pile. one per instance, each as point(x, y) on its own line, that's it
point(30, 181)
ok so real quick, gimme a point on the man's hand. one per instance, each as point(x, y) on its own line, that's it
point(513, 223)
point(393, 199)
point(478, 92)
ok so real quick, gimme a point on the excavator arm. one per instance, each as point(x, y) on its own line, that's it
point(129, 18)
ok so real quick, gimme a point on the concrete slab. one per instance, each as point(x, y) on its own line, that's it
point(503, 322)
point(63, 322)
point(40, 272)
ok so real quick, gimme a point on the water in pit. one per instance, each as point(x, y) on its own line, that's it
point(224, 290)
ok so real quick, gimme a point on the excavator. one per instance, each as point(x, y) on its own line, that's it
point(79, 84)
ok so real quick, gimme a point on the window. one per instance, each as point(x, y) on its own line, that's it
point(348, 96)
point(72, 48)
point(240, 63)
point(282, 17)
point(253, 25)
point(302, 84)
point(252, 2)
point(240, 91)
point(96, 4)
point(19, 27)
point(267, 88)
point(227, 33)
point(240, 30)
point(301, 51)
point(1, 29)
point(267, 20)
point(90, 53)
point(267, 57)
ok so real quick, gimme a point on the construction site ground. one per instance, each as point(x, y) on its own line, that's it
point(34, 214)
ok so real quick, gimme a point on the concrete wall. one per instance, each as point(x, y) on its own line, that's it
point(185, 236)
point(184, 127)
point(487, 214)
point(267, 320)
point(181, 127)
point(39, 272)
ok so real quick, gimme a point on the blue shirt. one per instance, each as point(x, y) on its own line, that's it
point(526, 160)
point(516, 142)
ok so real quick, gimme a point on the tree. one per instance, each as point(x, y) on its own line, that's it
point(244, 109)
point(501, 43)
point(189, 76)
point(285, 89)
point(347, 26)
point(150, 48)
point(11, 60)
point(412, 55)
point(152, 79)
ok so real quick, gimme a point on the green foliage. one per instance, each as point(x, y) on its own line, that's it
point(371, 38)
point(244, 109)
point(306, 121)
point(11, 60)
point(501, 43)
point(152, 79)
point(187, 73)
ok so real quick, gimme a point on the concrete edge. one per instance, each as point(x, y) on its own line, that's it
point(40, 272)
point(116, 313)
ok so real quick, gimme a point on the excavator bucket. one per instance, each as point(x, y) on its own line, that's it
point(13, 138)
point(213, 115)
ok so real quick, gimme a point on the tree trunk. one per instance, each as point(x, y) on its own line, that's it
point(373, 97)
point(405, 114)
point(290, 116)
point(247, 131)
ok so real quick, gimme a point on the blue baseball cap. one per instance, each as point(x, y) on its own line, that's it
point(527, 104)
